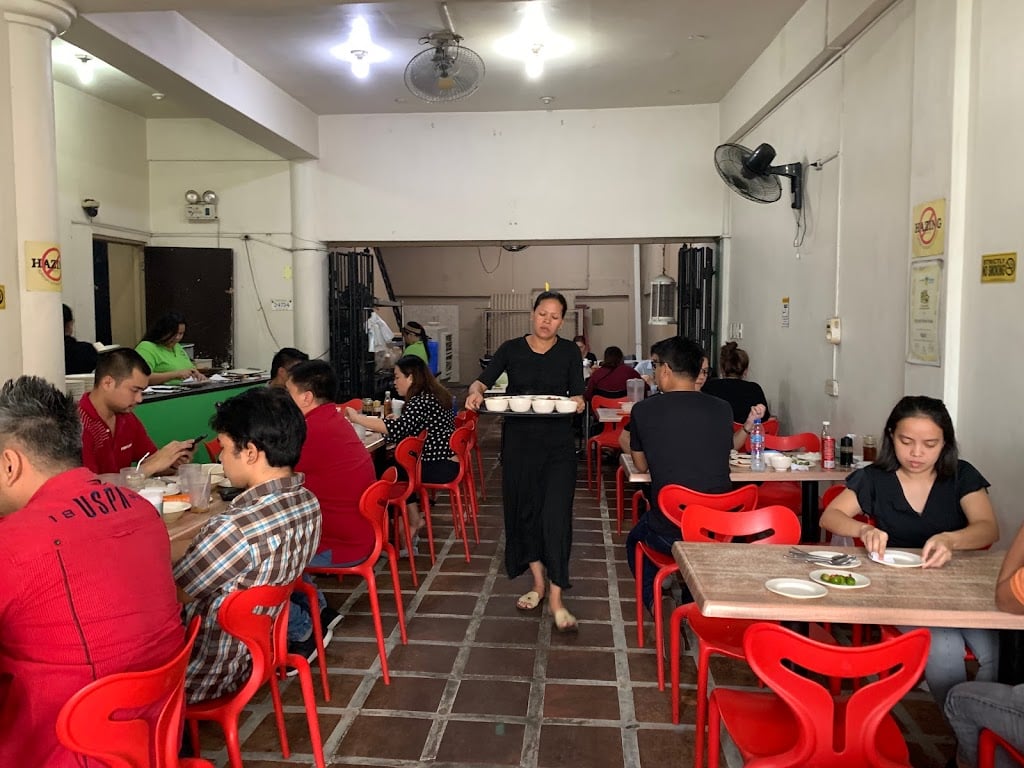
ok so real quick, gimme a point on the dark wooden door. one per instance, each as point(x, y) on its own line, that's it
point(198, 283)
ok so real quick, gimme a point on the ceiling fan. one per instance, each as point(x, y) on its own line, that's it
point(447, 70)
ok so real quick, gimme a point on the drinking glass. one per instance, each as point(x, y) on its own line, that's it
point(199, 492)
point(133, 478)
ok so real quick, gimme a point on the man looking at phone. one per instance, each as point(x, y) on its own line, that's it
point(112, 436)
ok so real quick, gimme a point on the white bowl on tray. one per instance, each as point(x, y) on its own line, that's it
point(544, 405)
point(780, 462)
point(565, 406)
point(520, 403)
point(496, 404)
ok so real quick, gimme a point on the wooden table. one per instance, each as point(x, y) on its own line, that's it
point(727, 581)
point(809, 514)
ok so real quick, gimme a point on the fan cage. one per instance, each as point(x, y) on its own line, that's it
point(423, 77)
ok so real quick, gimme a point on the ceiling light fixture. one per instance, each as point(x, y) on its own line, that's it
point(534, 43)
point(359, 50)
point(84, 68)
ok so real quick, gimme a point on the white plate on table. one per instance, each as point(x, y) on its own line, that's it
point(798, 588)
point(832, 553)
point(743, 460)
point(897, 558)
point(806, 456)
point(860, 580)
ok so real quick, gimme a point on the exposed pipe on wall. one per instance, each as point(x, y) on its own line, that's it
point(637, 305)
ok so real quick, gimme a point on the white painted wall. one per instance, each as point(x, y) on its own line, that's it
point(101, 153)
point(595, 174)
point(990, 418)
point(254, 191)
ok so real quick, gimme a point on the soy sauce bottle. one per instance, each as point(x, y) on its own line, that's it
point(846, 451)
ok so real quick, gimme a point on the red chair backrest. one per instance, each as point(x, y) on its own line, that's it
point(699, 522)
point(466, 417)
point(830, 495)
point(407, 454)
point(460, 442)
point(355, 403)
point(213, 448)
point(673, 498)
point(805, 441)
point(373, 505)
point(831, 731)
point(93, 723)
point(771, 427)
point(253, 615)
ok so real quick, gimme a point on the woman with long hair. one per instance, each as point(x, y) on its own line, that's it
point(732, 387)
point(920, 493)
point(161, 349)
point(609, 380)
point(428, 406)
point(538, 456)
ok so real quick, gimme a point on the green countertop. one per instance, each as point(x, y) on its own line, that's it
point(185, 415)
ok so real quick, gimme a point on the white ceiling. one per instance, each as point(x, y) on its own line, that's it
point(634, 53)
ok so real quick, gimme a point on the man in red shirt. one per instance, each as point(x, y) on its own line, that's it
point(85, 575)
point(112, 436)
point(338, 468)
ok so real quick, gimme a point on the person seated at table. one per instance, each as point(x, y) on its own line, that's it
point(585, 353)
point(84, 574)
point(112, 436)
point(163, 353)
point(79, 356)
point(284, 360)
point(739, 393)
point(415, 337)
point(609, 380)
point(267, 534)
point(682, 437)
point(974, 705)
point(921, 494)
point(337, 468)
point(428, 406)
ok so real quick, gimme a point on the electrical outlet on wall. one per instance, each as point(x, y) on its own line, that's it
point(832, 387)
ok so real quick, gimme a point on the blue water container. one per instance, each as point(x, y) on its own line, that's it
point(432, 357)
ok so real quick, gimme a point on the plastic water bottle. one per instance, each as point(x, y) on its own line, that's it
point(757, 447)
point(828, 447)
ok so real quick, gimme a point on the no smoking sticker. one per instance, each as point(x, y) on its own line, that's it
point(928, 228)
point(42, 266)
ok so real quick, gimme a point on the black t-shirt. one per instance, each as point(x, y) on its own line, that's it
point(79, 356)
point(880, 495)
point(741, 394)
point(686, 438)
point(556, 372)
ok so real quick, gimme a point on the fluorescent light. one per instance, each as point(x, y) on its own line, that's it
point(359, 50)
point(534, 42)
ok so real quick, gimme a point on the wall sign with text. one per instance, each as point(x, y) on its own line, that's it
point(928, 229)
point(999, 267)
point(42, 266)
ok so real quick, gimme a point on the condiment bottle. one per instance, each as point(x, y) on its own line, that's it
point(870, 449)
point(828, 447)
point(846, 451)
point(387, 404)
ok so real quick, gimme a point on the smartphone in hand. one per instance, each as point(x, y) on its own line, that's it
point(197, 440)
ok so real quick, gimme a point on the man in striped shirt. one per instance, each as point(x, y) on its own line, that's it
point(267, 535)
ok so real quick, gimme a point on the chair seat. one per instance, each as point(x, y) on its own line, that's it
point(778, 728)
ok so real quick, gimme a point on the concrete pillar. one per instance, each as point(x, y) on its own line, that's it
point(31, 327)
point(309, 261)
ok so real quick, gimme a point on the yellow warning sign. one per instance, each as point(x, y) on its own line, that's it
point(42, 266)
point(999, 267)
point(928, 228)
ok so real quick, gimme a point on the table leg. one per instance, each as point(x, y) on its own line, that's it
point(810, 533)
point(1011, 657)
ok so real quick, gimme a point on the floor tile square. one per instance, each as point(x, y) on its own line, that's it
point(512, 631)
point(412, 694)
point(341, 686)
point(395, 738)
point(571, 664)
point(423, 658)
point(458, 605)
point(587, 634)
point(482, 743)
point(503, 662)
point(666, 747)
point(437, 628)
point(588, 702)
point(492, 697)
point(571, 745)
point(264, 738)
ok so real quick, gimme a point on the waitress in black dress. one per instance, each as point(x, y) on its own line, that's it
point(538, 456)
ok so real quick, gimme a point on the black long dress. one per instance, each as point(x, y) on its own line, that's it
point(538, 458)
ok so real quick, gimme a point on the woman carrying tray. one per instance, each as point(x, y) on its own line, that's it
point(538, 456)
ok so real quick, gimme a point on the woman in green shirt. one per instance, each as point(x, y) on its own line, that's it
point(416, 339)
point(161, 350)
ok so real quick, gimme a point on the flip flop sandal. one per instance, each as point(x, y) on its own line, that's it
point(565, 621)
point(529, 601)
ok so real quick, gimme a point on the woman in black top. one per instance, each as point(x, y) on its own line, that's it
point(919, 493)
point(538, 456)
point(741, 394)
point(428, 406)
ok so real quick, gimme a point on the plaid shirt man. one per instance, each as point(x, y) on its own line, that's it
point(267, 535)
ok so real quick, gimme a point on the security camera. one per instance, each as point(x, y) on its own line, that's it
point(91, 207)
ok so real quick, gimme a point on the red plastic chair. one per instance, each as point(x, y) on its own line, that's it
point(373, 505)
point(720, 636)
point(213, 448)
point(672, 499)
point(801, 723)
point(460, 442)
point(407, 454)
point(309, 590)
point(804, 441)
point(607, 440)
point(355, 403)
point(472, 418)
point(987, 743)
point(830, 495)
point(87, 724)
point(258, 616)
point(785, 492)
point(620, 499)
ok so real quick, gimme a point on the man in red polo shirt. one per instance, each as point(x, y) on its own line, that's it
point(85, 575)
point(112, 436)
point(338, 468)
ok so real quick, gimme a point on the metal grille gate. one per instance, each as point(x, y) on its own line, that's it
point(349, 303)
point(698, 298)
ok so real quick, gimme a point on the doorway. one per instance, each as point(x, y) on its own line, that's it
point(117, 292)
